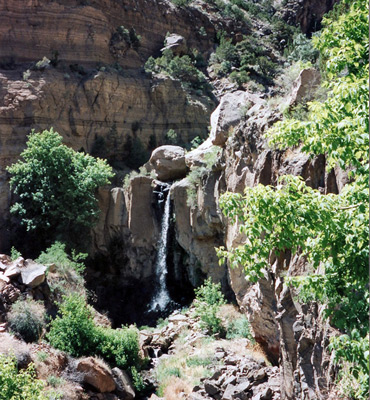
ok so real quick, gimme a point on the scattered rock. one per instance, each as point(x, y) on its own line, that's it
point(33, 274)
point(124, 386)
point(96, 374)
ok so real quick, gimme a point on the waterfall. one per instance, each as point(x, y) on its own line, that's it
point(162, 297)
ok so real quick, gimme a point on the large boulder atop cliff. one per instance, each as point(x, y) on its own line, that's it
point(169, 163)
point(175, 43)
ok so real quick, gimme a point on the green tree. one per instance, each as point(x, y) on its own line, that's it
point(331, 231)
point(56, 186)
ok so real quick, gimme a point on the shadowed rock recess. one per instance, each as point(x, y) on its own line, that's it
point(78, 66)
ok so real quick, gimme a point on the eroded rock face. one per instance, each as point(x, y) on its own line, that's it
point(85, 33)
point(102, 114)
point(306, 13)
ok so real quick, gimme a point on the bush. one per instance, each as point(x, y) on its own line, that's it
point(27, 319)
point(209, 299)
point(69, 270)
point(75, 332)
point(182, 68)
point(19, 385)
point(118, 346)
point(238, 328)
point(171, 137)
point(55, 187)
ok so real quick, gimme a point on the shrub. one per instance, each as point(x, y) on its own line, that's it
point(209, 299)
point(56, 187)
point(75, 332)
point(180, 67)
point(181, 3)
point(302, 49)
point(27, 318)
point(196, 174)
point(14, 253)
point(238, 328)
point(69, 269)
point(171, 137)
point(19, 385)
point(118, 346)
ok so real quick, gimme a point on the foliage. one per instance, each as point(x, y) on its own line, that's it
point(198, 173)
point(14, 253)
point(181, 3)
point(137, 380)
point(27, 318)
point(19, 385)
point(75, 332)
point(128, 35)
point(179, 67)
point(243, 60)
point(118, 346)
point(302, 49)
point(56, 254)
point(136, 153)
point(172, 137)
point(239, 328)
point(209, 299)
point(330, 231)
point(55, 186)
point(68, 268)
point(196, 142)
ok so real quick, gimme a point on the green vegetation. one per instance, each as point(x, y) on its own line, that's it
point(128, 35)
point(68, 276)
point(14, 253)
point(239, 328)
point(27, 319)
point(183, 68)
point(19, 385)
point(331, 231)
point(242, 60)
point(75, 332)
point(198, 173)
point(55, 188)
point(209, 299)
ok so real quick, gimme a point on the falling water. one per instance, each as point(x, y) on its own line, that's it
point(162, 298)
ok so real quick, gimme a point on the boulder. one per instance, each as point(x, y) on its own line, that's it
point(304, 86)
point(195, 158)
point(33, 274)
point(175, 43)
point(169, 162)
point(124, 386)
point(230, 111)
point(96, 374)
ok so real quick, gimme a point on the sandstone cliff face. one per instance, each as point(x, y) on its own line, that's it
point(83, 32)
point(105, 106)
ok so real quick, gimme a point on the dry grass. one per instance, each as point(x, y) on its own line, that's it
point(176, 389)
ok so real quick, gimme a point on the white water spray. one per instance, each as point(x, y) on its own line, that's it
point(162, 298)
